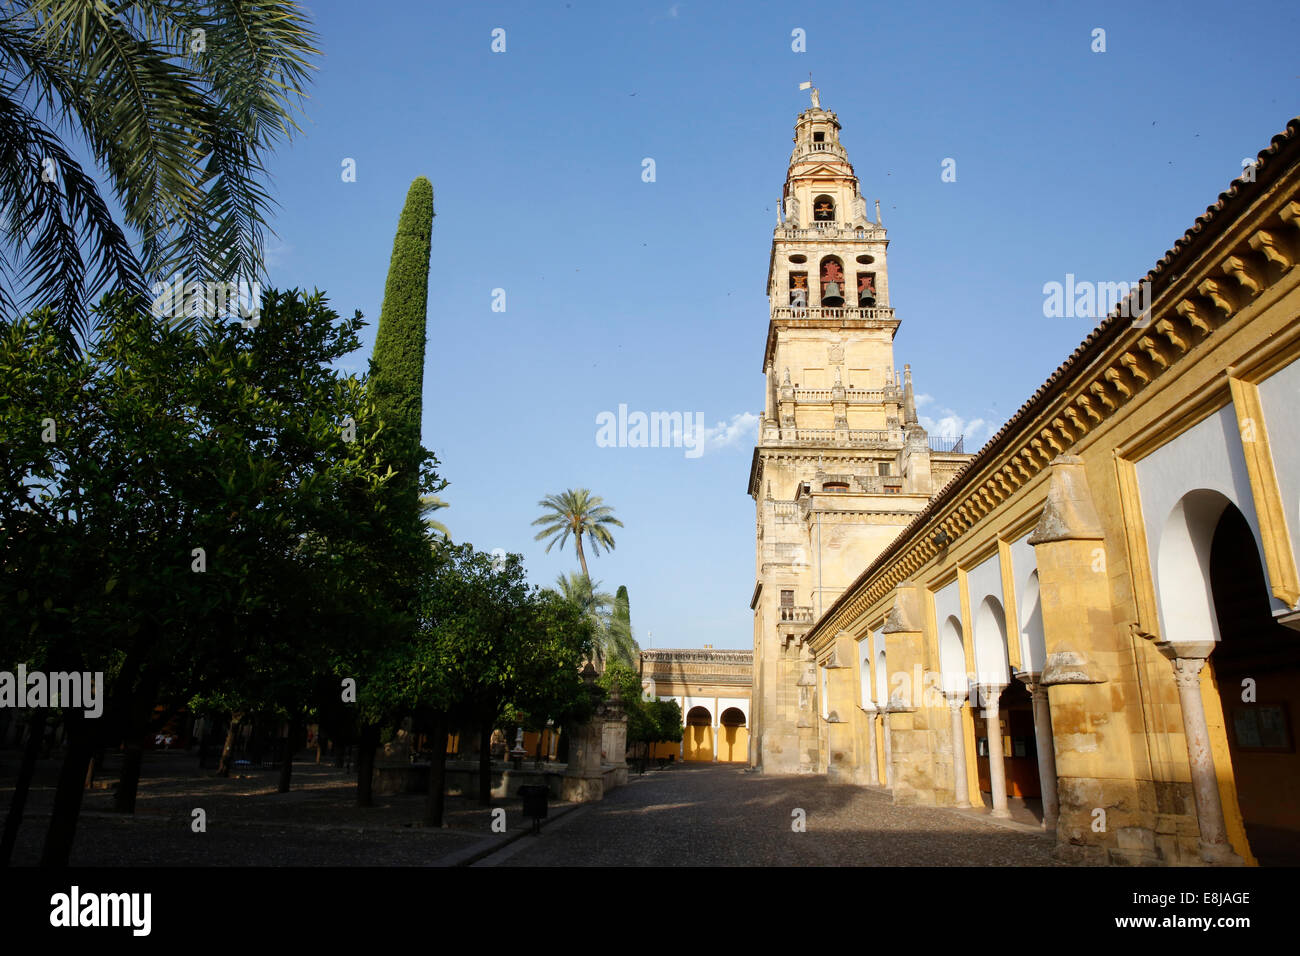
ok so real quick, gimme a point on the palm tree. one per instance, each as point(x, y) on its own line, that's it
point(428, 505)
point(178, 102)
point(577, 512)
point(609, 637)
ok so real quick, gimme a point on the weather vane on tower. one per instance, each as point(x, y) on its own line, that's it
point(816, 98)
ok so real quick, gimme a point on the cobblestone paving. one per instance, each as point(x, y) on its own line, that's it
point(249, 824)
point(724, 816)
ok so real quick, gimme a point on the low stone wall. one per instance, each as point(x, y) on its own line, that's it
point(462, 779)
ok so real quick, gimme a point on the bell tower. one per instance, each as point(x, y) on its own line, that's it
point(842, 464)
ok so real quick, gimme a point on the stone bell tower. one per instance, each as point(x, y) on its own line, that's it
point(842, 464)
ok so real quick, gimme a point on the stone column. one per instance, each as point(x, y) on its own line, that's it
point(882, 757)
point(889, 755)
point(872, 767)
point(961, 789)
point(1188, 658)
point(997, 767)
point(1045, 745)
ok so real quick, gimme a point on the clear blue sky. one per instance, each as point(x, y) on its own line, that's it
point(652, 294)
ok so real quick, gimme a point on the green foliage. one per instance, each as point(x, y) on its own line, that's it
point(397, 373)
point(179, 102)
point(648, 722)
point(578, 513)
point(611, 627)
point(620, 645)
point(165, 442)
point(486, 643)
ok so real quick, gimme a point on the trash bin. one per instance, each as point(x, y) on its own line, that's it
point(535, 803)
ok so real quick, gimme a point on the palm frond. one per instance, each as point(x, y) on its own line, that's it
point(177, 100)
point(49, 203)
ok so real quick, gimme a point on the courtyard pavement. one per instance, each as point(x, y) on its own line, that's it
point(719, 815)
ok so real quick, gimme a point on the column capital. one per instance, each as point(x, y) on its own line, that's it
point(1033, 681)
point(1187, 670)
point(1188, 659)
point(1186, 650)
point(955, 698)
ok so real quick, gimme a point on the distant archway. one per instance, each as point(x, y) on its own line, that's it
point(699, 735)
point(733, 742)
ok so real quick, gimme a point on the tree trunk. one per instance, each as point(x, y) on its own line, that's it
point(485, 764)
point(228, 750)
point(366, 765)
point(129, 783)
point(21, 787)
point(436, 798)
point(67, 797)
point(286, 760)
point(96, 765)
point(582, 558)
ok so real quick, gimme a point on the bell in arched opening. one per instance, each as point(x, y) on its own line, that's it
point(832, 284)
point(866, 291)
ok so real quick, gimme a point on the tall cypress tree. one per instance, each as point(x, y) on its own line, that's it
point(397, 376)
point(622, 645)
point(396, 384)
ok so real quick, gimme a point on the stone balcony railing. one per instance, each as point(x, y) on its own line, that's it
point(805, 151)
point(854, 396)
point(864, 437)
point(829, 230)
point(709, 656)
point(796, 614)
point(820, 312)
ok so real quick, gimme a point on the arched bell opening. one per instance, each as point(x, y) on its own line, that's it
point(866, 290)
point(832, 282)
point(799, 290)
point(823, 209)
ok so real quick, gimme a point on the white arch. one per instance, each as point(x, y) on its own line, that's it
point(991, 664)
point(1033, 642)
point(865, 698)
point(1184, 487)
point(952, 656)
point(1183, 567)
point(707, 712)
point(882, 679)
point(744, 721)
point(739, 703)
